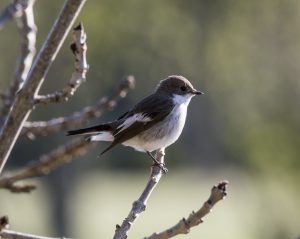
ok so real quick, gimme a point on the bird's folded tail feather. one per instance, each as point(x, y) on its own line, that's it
point(91, 130)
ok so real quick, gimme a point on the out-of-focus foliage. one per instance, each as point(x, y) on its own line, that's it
point(243, 54)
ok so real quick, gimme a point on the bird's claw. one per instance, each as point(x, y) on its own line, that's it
point(162, 167)
point(157, 163)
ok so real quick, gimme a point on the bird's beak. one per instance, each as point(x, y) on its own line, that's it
point(196, 92)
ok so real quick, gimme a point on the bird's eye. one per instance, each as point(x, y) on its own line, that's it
point(183, 88)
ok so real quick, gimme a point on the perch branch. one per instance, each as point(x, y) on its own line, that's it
point(24, 100)
point(218, 192)
point(27, 30)
point(77, 118)
point(44, 165)
point(140, 204)
point(79, 48)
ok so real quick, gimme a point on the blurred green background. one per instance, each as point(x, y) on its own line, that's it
point(243, 54)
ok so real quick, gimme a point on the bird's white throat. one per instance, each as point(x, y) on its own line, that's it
point(182, 99)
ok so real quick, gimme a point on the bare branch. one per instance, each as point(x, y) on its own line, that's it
point(27, 30)
point(140, 204)
point(79, 48)
point(48, 162)
point(77, 118)
point(24, 100)
point(62, 154)
point(8, 234)
point(218, 192)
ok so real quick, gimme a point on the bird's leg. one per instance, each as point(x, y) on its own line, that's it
point(161, 165)
point(153, 158)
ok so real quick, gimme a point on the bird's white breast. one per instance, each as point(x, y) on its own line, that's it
point(182, 99)
point(163, 133)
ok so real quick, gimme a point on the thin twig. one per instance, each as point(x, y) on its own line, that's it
point(8, 234)
point(140, 204)
point(218, 192)
point(76, 119)
point(27, 30)
point(24, 100)
point(47, 163)
point(79, 48)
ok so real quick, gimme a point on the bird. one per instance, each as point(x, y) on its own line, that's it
point(154, 122)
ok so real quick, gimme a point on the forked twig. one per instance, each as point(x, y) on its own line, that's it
point(218, 192)
point(63, 154)
point(77, 118)
point(79, 48)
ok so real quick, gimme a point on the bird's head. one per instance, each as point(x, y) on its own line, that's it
point(177, 85)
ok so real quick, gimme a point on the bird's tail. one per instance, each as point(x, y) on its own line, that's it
point(91, 130)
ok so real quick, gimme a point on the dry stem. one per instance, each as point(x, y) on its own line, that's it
point(218, 192)
point(8, 234)
point(77, 118)
point(140, 204)
point(79, 48)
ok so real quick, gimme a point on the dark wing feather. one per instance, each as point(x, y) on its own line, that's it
point(157, 108)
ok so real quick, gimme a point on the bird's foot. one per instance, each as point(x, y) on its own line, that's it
point(162, 166)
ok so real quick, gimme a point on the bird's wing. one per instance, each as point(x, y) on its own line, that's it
point(143, 116)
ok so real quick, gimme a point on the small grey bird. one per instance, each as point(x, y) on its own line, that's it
point(155, 122)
